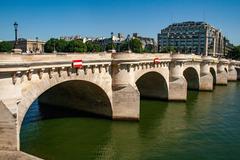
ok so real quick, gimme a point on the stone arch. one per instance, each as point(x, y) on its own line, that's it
point(47, 86)
point(214, 74)
point(152, 85)
point(192, 78)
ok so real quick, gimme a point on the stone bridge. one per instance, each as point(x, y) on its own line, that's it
point(108, 84)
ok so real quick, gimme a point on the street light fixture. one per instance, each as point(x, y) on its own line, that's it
point(112, 41)
point(36, 44)
point(16, 30)
point(54, 46)
point(128, 41)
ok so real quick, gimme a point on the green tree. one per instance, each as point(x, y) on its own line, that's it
point(76, 46)
point(168, 49)
point(93, 47)
point(235, 53)
point(49, 45)
point(6, 46)
point(124, 46)
point(61, 45)
point(136, 45)
point(110, 46)
point(149, 48)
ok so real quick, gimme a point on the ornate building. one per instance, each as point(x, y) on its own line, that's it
point(30, 46)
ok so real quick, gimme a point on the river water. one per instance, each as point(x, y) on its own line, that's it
point(207, 126)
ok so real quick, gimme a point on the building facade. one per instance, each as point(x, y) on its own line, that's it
point(30, 46)
point(77, 37)
point(192, 37)
point(228, 47)
point(147, 42)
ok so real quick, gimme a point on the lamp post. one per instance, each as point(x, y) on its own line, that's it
point(119, 42)
point(16, 30)
point(54, 46)
point(128, 41)
point(103, 45)
point(36, 44)
point(112, 41)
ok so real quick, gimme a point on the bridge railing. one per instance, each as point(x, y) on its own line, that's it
point(63, 59)
point(11, 63)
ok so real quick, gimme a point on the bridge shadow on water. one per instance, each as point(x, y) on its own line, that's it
point(162, 123)
point(39, 111)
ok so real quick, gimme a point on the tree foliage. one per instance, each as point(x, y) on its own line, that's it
point(136, 45)
point(93, 47)
point(124, 46)
point(6, 46)
point(110, 46)
point(71, 46)
point(61, 45)
point(235, 53)
point(149, 48)
point(76, 46)
point(49, 45)
point(168, 49)
point(79, 46)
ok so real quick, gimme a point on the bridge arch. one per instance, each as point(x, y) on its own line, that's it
point(214, 74)
point(152, 84)
point(192, 77)
point(46, 89)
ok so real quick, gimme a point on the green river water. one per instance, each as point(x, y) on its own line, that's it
point(207, 126)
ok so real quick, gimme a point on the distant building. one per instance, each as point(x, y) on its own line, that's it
point(117, 40)
point(228, 47)
point(29, 46)
point(77, 37)
point(146, 41)
point(192, 37)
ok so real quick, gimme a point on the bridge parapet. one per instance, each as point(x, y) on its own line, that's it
point(18, 65)
point(133, 57)
point(209, 59)
point(186, 57)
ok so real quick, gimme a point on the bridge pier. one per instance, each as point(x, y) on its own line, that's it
point(177, 82)
point(125, 95)
point(232, 72)
point(10, 95)
point(238, 73)
point(9, 139)
point(222, 75)
point(206, 78)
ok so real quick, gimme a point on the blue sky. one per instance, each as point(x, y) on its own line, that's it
point(55, 18)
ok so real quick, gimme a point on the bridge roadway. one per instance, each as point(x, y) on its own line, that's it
point(108, 84)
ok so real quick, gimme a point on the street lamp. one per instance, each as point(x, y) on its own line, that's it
point(119, 42)
point(36, 44)
point(112, 41)
point(54, 46)
point(128, 41)
point(15, 29)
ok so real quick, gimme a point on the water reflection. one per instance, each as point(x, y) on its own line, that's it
point(207, 126)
